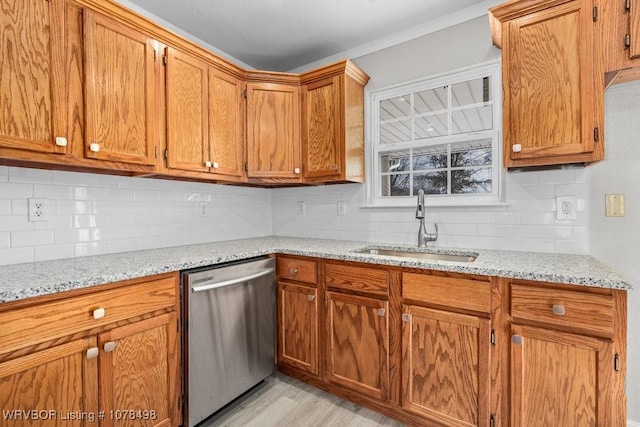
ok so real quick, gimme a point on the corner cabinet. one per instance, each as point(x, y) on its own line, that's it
point(553, 85)
point(333, 123)
point(113, 351)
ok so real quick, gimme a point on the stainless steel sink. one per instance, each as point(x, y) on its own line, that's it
point(435, 256)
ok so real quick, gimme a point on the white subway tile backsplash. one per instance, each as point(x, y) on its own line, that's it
point(20, 207)
point(50, 191)
point(31, 175)
point(90, 248)
point(5, 207)
point(13, 190)
point(89, 193)
point(16, 255)
point(51, 252)
point(15, 223)
point(5, 240)
point(558, 176)
point(4, 173)
point(21, 239)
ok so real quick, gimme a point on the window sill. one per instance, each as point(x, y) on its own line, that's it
point(457, 203)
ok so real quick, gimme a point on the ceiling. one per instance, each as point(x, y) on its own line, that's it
point(280, 35)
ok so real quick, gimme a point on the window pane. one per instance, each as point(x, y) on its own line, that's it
point(431, 182)
point(395, 161)
point(431, 126)
point(472, 119)
point(473, 153)
point(430, 100)
point(395, 132)
point(470, 92)
point(395, 185)
point(395, 108)
point(430, 158)
point(471, 181)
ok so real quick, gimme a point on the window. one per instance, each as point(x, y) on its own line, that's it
point(440, 135)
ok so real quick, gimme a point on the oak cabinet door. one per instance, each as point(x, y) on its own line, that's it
point(358, 343)
point(553, 89)
point(634, 30)
point(32, 76)
point(560, 379)
point(321, 118)
point(226, 123)
point(298, 323)
point(273, 131)
point(187, 126)
point(138, 373)
point(445, 370)
point(54, 387)
point(120, 96)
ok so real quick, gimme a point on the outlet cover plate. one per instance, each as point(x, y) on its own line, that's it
point(38, 210)
point(566, 208)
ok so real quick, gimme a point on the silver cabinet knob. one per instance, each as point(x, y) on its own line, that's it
point(517, 148)
point(293, 271)
point(406, 317)
point(216, 165)
point(61, 141)
point(109, 346)
point(381, 312)
point(558, 310)
point(94, 147)
point(99, 313)
point(334, 167)
point(296, 170)
point(516, 339)
point(208, 163)
point(92, 353)
point(311, 297)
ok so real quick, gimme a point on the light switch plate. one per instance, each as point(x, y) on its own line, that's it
point(614, 205)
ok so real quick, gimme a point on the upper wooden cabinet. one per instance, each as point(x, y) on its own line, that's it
point(553, 85)
point(120, 96)
point(205, 117)
point(273, 132)
point(32, 75)
point(621, 39)
point(333, 123)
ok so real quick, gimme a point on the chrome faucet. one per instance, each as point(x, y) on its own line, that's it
point(423, 236)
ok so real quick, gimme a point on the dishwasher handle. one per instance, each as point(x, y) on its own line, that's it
point(231, 282)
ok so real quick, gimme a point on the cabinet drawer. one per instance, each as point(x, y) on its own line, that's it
point(47, 321)
point(363, 279)
point(466, 294)
point(582, 310)
point(301, 270)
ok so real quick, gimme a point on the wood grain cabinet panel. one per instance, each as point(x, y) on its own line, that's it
point(361, 279)
point(273, 131)
point(560, 379)
point(445, 370)
point(120, 95)
point(358, 343)
point(51, 386)
point(552, 83)
point(298, 327)
point(32, 74)
point(299, 270)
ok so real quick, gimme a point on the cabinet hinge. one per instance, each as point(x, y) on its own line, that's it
point(595, 13)
point(492, 421)
point(492, 337)
point(165, 59)
point(616, 362)
point(627, 5)
point(166, 153)
point(155, 55)
point(596, 134)
point(178, 325)
point(244, 94)
point(627, 41)
point(155, 152)
point(246, 167)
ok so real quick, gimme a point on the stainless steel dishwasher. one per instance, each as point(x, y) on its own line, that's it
point(229, 334)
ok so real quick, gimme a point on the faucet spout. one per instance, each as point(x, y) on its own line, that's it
point(423, 236)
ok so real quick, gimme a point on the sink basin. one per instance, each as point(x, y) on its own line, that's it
point(435, 256)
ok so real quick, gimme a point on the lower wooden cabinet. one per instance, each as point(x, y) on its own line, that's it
point(111, 368)
point(446, 367)
point(560, 379)
point(298, 327)
point(358, 343)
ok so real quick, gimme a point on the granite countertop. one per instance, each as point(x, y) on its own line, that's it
point(21, 281)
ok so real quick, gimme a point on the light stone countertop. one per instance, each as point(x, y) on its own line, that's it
point(21, 281)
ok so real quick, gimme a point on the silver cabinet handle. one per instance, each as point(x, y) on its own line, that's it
point(208, 164)
point(109, 346)
point(61, 141)
point(516, 339)
point(381, 311)
point(311, 297)
point(230, 282)
point(406, 317)
point(293, 271)
point(95, 147)
point(558, 310)
point(92, 353)
point(296, 171)
point(99, 313)
point(334, 167)
point(216, 165)
point(517, 148)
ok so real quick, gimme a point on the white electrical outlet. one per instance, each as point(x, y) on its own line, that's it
point(301, 208)
point(38, 210)
point(204, 210)
point(342, 208)
point(566, 207)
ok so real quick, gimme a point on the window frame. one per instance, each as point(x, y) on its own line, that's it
point(375, 148)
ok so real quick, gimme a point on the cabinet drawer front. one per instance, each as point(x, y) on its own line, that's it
point(466, 294)
point(301, 270)
point(563, 308)
point(32, 325)
point(370, 280)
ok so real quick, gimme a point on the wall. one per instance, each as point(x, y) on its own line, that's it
point(616, 241)
point(97, 214)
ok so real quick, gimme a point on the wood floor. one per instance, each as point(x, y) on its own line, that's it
point(282, 401)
